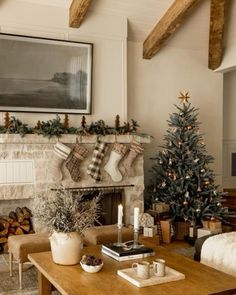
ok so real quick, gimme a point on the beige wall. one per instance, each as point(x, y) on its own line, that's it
point(153, 87)
point(109, 88)
point(229, 130)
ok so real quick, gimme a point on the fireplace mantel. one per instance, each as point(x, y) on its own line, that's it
point(71, 138)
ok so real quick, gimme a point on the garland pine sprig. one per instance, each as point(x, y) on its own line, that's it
point(55, 127)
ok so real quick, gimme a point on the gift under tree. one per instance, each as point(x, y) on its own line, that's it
point(182, 176)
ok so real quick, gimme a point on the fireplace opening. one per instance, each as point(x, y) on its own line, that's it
point(108, 205)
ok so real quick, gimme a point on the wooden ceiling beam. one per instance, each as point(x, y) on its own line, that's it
point(167, 25)
point(216, 33)
point(78, 10)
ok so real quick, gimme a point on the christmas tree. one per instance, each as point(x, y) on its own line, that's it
point(182, 177)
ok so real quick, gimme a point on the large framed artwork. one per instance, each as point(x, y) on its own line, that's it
point(44, 75)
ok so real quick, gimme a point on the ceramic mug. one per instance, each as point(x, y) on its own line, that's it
point(142, 269)
point(159, 267)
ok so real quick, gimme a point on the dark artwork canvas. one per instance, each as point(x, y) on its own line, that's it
point(233, 164)
point(41, 75)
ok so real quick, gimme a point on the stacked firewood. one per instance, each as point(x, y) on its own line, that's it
point(16, 223)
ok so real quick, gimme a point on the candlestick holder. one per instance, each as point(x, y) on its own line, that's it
point(136, 244)
point(119, 236)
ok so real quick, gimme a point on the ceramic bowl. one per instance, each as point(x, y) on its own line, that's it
point(91, 268)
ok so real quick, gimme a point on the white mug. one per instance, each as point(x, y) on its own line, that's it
point(159, 267)
point(142, 269)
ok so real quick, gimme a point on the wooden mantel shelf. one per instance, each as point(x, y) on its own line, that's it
point(71, 138)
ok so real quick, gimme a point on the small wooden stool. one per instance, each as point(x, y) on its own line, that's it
point(21, 245)
point(106, 234)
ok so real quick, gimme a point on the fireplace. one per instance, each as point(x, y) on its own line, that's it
point(34, 156)
point(110, 199)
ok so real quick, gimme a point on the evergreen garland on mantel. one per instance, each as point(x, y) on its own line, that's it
point(55, 127)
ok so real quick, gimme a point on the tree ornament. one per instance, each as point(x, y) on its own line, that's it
point(186, 194)
point(161, 162)
point(163, 184)
point(207, 182)
point(183, 96)
point(189, 127)
point(202, 170)
point(169, 174)
point(219, 204)
point(196, 160)
point(198, 210)
point(187, 176)
point(174, 176)
point(66, 121)
point(118, 152)
point(185, 202)
point(170, 143)
point(7, 120)
point(170, 161)
point(199, 189)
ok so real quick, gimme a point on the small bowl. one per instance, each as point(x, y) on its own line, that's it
point(91, 268)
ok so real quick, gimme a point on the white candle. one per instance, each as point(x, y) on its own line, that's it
point(120, 214)
point(136, 214)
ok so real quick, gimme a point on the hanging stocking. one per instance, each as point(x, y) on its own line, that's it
point(62, 152)
point(126, 166)
point(117, 153)
point(94, 167)
point(76, 157)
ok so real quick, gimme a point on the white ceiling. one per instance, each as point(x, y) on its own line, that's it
point(142, 15)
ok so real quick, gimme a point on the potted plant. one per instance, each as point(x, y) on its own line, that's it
point(66, 214)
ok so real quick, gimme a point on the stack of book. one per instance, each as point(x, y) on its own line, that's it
point(123, 253)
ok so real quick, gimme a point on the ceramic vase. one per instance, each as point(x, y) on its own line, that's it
point(66, 248)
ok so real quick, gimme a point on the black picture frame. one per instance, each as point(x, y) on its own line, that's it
point(45, 75)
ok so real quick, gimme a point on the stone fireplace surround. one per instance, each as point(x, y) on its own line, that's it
point(40, 150)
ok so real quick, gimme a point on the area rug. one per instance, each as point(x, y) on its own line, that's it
point(10, 285)
point(187, 252)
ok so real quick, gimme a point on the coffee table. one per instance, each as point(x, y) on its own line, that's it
point(73, 280)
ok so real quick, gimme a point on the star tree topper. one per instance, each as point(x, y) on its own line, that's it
point(183, 96)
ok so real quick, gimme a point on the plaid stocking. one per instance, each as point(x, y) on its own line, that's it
point(94, 167)
point(126, 166)
point(117, 153)
point(61, 153)
point(76, 157)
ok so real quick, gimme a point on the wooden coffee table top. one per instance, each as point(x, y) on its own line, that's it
point(73, 280)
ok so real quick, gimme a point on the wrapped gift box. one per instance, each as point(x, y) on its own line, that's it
point(181, 230)
point(167, 230)
point(201, 232)
point(191, 231)
point(215, 224)
point(150, 231)
point(161, 207)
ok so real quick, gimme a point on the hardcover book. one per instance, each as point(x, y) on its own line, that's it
point(126, 253)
